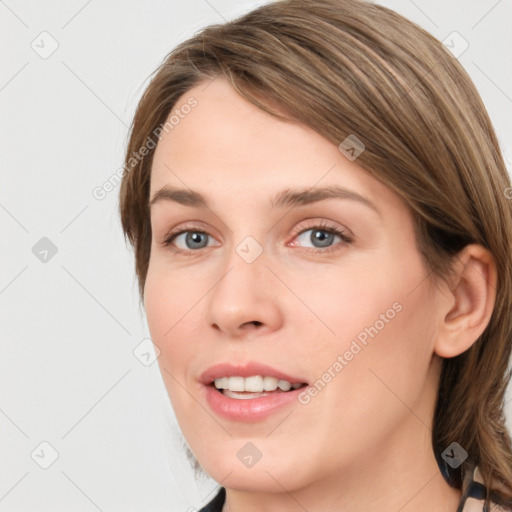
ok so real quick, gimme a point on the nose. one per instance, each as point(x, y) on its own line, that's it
point(244, 300)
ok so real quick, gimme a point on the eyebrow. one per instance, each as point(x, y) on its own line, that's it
point(285, 198)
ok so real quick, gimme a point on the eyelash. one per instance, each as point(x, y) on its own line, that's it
point(324, 226)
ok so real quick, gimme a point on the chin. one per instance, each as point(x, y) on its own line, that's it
point(267, 476)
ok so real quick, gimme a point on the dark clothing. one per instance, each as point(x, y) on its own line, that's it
point(217, 503)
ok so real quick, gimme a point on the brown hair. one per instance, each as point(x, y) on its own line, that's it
point(347, 67)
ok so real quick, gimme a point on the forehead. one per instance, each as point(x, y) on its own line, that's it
point(225, 144)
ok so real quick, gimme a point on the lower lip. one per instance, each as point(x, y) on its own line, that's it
point(250, 409)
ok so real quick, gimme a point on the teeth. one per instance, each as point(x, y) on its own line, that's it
point(236, 384)
point(242, 396)
point(284, 385)
point(254, 384)
point(269, 383)
point(222, 383)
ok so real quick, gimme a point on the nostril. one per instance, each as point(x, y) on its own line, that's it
point(256, 323)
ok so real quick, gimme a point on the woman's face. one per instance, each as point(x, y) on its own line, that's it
point(298, 267)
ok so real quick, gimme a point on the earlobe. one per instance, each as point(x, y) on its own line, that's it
point(472, 294)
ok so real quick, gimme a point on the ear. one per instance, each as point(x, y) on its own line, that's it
point(467, 302)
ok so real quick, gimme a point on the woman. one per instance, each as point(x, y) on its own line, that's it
point(318, 207)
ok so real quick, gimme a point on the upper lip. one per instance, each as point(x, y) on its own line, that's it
point(245, 370)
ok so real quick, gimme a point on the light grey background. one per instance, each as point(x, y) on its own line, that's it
point(69, 326)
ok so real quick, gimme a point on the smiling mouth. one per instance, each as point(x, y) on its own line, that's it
point(256, 386)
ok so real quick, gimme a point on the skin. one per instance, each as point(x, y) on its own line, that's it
point(363, 443)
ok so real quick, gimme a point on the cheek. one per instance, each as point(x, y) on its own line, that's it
point(174, 318)
point(378, 300)
point(385, 384)
point(173, 313)
point(379, 352)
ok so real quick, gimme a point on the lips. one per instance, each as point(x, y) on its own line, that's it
point(248, 406)
point(248, 370)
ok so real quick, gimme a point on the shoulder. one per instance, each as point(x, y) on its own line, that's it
point(473, 495)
